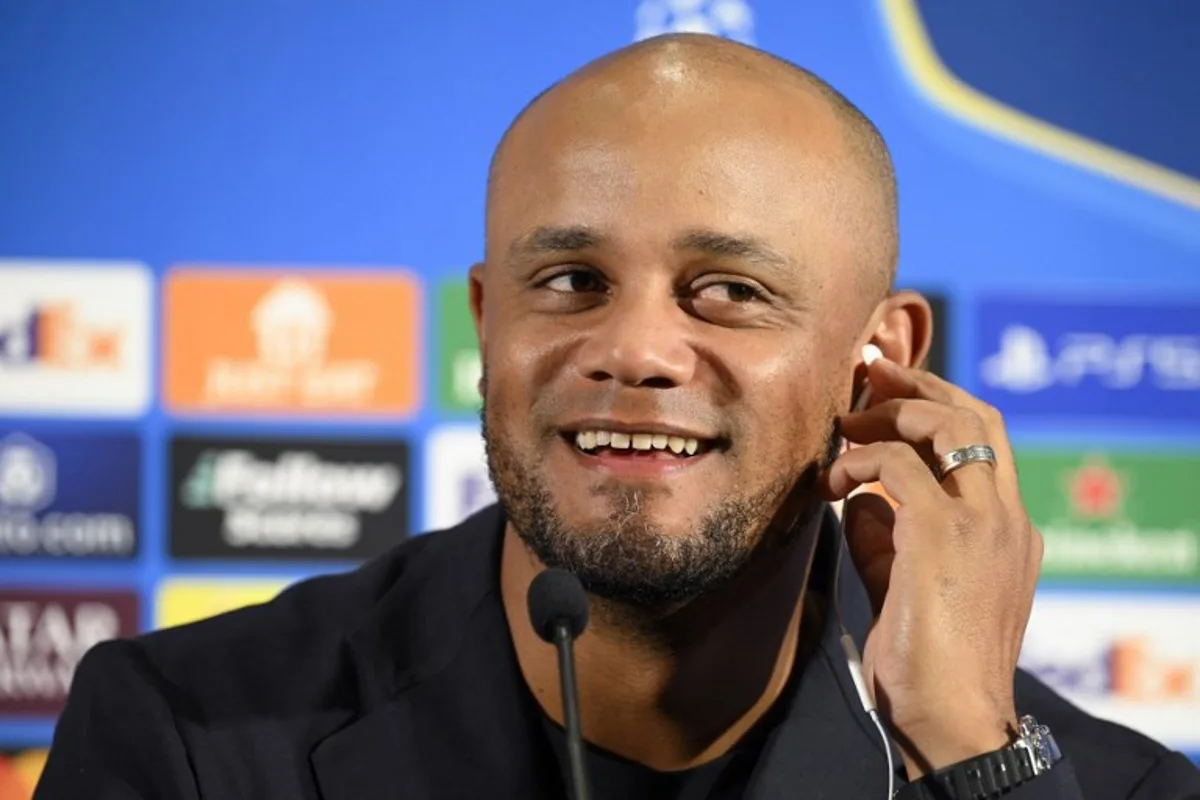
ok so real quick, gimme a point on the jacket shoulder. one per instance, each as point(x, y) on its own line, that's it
point(234, 705)
point(1110, 760)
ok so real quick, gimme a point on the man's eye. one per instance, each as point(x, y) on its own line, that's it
point(575, 281)
point(729, 292)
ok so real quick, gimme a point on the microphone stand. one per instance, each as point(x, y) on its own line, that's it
point(565, 644)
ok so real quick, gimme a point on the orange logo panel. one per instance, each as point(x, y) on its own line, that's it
point(291, 342)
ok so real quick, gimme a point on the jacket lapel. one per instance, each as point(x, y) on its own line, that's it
point(444, 711)
point(467, 731)
point(826, 746)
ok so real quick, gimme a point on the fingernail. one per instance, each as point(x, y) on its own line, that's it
point(870, 354)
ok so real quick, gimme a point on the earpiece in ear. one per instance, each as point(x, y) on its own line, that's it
point(870, 353)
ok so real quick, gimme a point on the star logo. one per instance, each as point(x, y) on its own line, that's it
point(1096, 490)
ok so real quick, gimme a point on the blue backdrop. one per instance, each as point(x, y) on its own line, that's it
point(1050, 193)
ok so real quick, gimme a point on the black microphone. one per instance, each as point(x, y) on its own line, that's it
point(558, 609)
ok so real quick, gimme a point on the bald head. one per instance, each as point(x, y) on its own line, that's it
point(718, 76)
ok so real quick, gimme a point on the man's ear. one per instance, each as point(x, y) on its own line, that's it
point(904, 331)
point(475, 294)
point(475, 285)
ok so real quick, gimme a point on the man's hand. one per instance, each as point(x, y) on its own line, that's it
point(951, 570)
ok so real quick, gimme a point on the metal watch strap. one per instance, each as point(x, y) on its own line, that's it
point(991, 775)
point(984, 777)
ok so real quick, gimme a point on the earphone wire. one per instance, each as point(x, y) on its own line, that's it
point(854, 664)
point(850, 649)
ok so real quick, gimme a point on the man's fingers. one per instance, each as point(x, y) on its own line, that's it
point(892, 380)
point(945, 427)
point(895, 465)
point(868, 520)
point(941, 427)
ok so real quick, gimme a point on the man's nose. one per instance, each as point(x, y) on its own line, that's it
point(642, 340)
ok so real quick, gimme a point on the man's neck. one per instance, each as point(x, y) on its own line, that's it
point(679, 691)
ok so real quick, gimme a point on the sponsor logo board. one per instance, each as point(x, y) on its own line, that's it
point(74, 338)
point(20, 771)
point(1079, 359)
point(456, 476)
point(291, 343)
point(183, 600)
point(287, 498)
point(459, 366)
point(1133, 660)
point(733, 19)
point(44, 633)
point(1114, 515)
point(66, 496)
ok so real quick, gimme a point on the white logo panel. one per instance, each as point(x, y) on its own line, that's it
point(1131, 659)
point(74, 337)
point(456, 476)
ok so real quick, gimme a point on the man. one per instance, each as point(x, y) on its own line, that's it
point(689, 243)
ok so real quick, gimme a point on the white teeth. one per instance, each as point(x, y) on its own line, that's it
point(590, 440)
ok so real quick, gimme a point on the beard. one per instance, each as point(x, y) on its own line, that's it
point(628, 558)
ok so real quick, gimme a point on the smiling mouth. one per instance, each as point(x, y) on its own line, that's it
point(600, 442)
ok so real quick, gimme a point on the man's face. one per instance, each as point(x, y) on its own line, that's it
point(666, 321)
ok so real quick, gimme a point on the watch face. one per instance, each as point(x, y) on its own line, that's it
point(1043, 750)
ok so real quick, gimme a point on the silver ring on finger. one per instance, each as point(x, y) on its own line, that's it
point(975, 453)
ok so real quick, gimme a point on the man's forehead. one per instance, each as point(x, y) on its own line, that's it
point(713, 137)
point(662, 183)
point(640, 131)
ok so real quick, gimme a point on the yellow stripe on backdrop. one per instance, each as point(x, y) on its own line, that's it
point(183, 600)
point(920, 61)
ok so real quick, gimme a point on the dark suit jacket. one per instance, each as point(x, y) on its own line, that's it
point(399, 680)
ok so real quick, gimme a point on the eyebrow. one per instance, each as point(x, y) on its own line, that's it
point(573, 238)
point(556, 239)
point(744, 248)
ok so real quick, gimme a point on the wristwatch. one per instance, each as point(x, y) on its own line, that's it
point(991, 775)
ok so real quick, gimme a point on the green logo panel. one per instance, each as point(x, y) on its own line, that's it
point(458, 366)
point(1115, 515)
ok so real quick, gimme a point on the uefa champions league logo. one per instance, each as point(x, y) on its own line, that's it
point(27, 474)
point(732, 19)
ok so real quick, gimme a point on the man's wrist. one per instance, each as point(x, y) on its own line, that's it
point(936, 745)
point(991, 774)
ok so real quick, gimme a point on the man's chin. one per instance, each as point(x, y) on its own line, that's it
point(641, 509)
point(633, 562)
